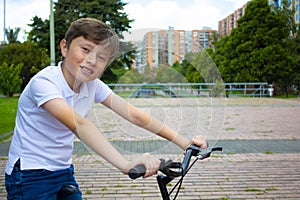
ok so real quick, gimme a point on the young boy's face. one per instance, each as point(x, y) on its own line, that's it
point(84, 60)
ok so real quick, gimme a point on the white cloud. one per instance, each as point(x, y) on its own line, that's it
point(162, 14)
point(181, 14)
point(185, 15)
point(238, 3)
point(19, 14)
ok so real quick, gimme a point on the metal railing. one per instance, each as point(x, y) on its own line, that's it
point(255, 89)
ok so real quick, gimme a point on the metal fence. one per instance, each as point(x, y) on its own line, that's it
point(257, 89)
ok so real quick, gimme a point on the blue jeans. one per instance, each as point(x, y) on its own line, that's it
point(40, 184)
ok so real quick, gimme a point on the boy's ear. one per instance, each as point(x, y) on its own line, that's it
point(63, 47)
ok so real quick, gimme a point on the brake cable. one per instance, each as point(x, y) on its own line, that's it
point(180, 181)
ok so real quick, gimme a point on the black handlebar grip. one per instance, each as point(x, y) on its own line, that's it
point(137, 171)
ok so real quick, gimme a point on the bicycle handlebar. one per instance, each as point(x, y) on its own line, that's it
point(175, 169)
point(137, 171)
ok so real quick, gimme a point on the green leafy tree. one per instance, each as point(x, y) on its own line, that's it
point(295, 51)
point(167, 74)
point(32, 57)
point(130, 77)
point(256, 50)
point(12, 35)
point(291, 76)
point(10, 79)
point(148, 75)
point(202, 68)
point(193, 75)
point(40, 32)
point(66, 11)
point(182, 67)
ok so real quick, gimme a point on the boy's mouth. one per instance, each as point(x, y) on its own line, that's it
point(86, 70)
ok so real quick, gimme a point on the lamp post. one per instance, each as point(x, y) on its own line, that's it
point(52, 38)
point(4, 21)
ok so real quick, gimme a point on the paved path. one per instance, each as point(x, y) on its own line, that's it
point(225, 176)
point(261, 158)
point(161, 147)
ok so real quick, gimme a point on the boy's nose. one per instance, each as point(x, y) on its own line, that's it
point(91, 58)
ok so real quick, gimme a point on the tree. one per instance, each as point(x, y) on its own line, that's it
point(66, 11)
point(148, 75)
point(202, 69)
point(130, 77)
point(167, 74)
point(12, 35)
point(32, 57)
point(182, 68)
point(40, 33)
point(10, 79)
point(291, 76)
point(256, 49)
point(296, 52)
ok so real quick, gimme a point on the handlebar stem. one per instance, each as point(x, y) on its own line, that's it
point(162, 182)
point(191, 151)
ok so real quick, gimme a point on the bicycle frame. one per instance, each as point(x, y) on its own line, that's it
point(162, 182)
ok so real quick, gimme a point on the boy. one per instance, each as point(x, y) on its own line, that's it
point(53, 107)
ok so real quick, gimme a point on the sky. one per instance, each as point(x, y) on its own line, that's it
point(148, 14)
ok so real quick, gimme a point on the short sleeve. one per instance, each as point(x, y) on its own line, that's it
point(43, 89)
point(102, 91)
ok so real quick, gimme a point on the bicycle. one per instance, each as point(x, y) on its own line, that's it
point(171, 170)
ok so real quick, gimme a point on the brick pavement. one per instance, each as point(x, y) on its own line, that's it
point(248, 175)
point(240, 176)
point(224, 176)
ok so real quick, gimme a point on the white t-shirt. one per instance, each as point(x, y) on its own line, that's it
point(40, 140)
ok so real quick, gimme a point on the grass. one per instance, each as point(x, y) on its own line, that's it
point(8, 111)
point(125, 94)
point(257, 190)
point(230, 129)
point(88, 192)
point(260, 191)
point(268, 152)
point(290, 96)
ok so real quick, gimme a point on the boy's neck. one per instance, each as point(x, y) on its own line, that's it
point(73, 84)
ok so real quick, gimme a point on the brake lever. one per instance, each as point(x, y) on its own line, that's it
point(205, 153)
point(170, 168)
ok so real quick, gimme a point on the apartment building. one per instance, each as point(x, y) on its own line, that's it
point(230, 22)
point(165, 47)
point(296, 4)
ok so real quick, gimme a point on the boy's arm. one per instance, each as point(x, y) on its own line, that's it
point(144, 120)
point(87, 132)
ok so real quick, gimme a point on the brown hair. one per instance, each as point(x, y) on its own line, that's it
point(96, 31)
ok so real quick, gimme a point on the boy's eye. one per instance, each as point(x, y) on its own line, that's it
point(85, 49)
point(101, 58)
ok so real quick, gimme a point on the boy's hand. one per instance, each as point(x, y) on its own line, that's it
point(151, 164)
point(200, 141)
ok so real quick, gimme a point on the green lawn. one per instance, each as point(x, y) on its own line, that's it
point(8, 111)
point(284, 96)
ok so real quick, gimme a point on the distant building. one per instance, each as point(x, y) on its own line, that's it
point(294, 4)
point(275, 3)
point(230, 22)
point(168, 46)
